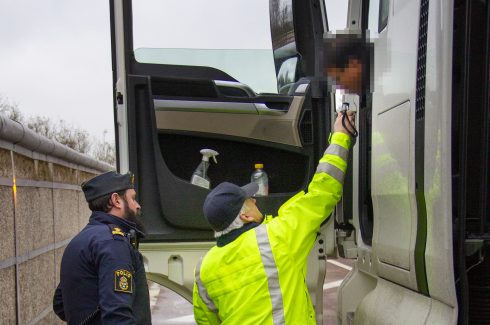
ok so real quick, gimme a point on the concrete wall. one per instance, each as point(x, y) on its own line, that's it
point(41, 208)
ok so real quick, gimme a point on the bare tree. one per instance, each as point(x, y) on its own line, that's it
point(72, 137)
point(42, 125)
point(104, 151)
point(11, 110)
point(64, 133)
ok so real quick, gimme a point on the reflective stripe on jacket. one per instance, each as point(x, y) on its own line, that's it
point(259, 278)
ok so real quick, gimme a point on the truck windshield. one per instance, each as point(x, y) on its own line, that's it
point(233, 37)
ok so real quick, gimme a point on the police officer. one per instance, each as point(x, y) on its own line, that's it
point(102, 276)
point(256, 272)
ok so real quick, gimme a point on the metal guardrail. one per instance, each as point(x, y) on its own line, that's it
point(17, 134)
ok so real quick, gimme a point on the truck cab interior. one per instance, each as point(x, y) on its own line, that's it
point(250, 105)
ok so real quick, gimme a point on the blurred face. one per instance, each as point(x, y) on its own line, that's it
point(132, 209)
point(252, 213)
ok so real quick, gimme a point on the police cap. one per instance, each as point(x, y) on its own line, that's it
point(107, 183)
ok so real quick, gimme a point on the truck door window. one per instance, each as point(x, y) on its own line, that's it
point(164, 32)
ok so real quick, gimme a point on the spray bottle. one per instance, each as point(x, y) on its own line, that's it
point(200, 177)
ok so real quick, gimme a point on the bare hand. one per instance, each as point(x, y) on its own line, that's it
point(338, 127)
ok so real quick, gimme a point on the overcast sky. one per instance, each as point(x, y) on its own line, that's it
point(55, 60)
point(55, 55)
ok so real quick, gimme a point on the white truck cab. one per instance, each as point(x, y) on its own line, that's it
point(247, 79)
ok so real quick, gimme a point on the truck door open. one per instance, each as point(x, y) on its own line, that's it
point(252, 105)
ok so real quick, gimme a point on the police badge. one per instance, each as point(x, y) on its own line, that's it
point(123, 281)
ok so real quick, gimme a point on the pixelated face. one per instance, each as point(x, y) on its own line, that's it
point(348, 78)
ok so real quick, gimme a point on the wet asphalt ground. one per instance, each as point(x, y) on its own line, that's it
point(168, 308)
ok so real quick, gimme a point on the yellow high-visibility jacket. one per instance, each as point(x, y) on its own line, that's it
point(259, 277)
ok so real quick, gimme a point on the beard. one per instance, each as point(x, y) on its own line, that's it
point(133, 216)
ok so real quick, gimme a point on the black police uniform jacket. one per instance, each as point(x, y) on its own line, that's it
point(102, 276)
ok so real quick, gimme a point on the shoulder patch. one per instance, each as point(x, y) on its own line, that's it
point(117, 231)
point(123, 281)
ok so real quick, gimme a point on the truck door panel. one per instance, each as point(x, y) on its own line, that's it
point(172, 102)
point(393, 186)
point(392, 189)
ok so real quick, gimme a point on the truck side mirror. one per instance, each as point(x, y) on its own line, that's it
point(286, 77)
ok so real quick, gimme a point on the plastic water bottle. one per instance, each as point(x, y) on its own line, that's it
point(260, 177)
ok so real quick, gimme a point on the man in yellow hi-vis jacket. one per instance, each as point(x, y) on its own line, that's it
point(256, 272)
